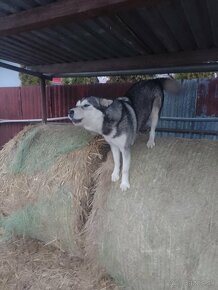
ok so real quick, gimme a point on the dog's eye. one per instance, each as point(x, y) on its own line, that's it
point(86, 105)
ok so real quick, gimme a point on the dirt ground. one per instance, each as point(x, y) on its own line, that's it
point(29, 264)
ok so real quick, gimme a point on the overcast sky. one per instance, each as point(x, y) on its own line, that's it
point(9, 78)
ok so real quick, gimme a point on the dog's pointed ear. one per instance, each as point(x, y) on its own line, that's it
point(114, 111)
point(105, 102)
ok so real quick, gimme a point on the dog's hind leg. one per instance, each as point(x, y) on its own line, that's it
point(154, 120)
point(125, 170)
point(116, 156)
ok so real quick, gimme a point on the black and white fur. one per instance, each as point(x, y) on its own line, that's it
point(119, 120)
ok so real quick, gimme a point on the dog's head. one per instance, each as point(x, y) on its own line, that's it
point(89, 113)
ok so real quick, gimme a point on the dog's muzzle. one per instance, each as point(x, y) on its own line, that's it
point(71, 114)
point(71, 117)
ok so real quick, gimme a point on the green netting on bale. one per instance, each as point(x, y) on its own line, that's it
point(40, 146)
point(162, 233)
point(50, 220)
point(47, 183)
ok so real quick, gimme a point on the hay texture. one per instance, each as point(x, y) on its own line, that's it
point(28, 264)
point(46, 184)
point(163, 232)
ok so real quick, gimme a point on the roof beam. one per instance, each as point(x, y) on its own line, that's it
point(23, 70)
point(195, 59)
point(62, 12)
point(145, 71)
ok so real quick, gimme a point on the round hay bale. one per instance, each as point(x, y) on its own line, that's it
point(28, 264)
point(47, 184)
point(163, 232)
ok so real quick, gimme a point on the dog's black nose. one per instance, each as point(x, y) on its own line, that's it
point(71, 113)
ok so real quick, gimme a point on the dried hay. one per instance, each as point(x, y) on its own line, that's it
point(162, 233)
point(36, 148)
point(29, 264)
point(46, 183)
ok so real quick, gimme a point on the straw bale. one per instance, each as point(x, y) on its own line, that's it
point(36, 148)
point(29, 264)
point(162, 233)
point(47, 184)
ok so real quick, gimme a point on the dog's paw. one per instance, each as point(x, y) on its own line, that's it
point(115, 176)
point(124, 186)
point(150, 143)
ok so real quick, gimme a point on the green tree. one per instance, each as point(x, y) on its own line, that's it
point(28, 80)
point(188, 76)
point(92, 80)
point(79, 80)
point(129, 78)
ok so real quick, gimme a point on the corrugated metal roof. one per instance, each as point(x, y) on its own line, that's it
point(14, 6)
point(170, 26)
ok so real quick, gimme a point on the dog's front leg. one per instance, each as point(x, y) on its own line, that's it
point(125, 170)
point(116, 156)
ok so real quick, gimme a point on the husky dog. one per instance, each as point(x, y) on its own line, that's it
point(119, 120)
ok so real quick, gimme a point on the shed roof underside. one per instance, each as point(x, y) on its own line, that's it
point(108, 36)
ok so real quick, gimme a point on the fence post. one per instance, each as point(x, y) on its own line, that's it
point(44, 100)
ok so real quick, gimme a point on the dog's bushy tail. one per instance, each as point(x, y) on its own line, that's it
point(170, 85)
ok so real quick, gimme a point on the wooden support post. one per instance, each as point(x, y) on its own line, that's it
point(44, 100)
